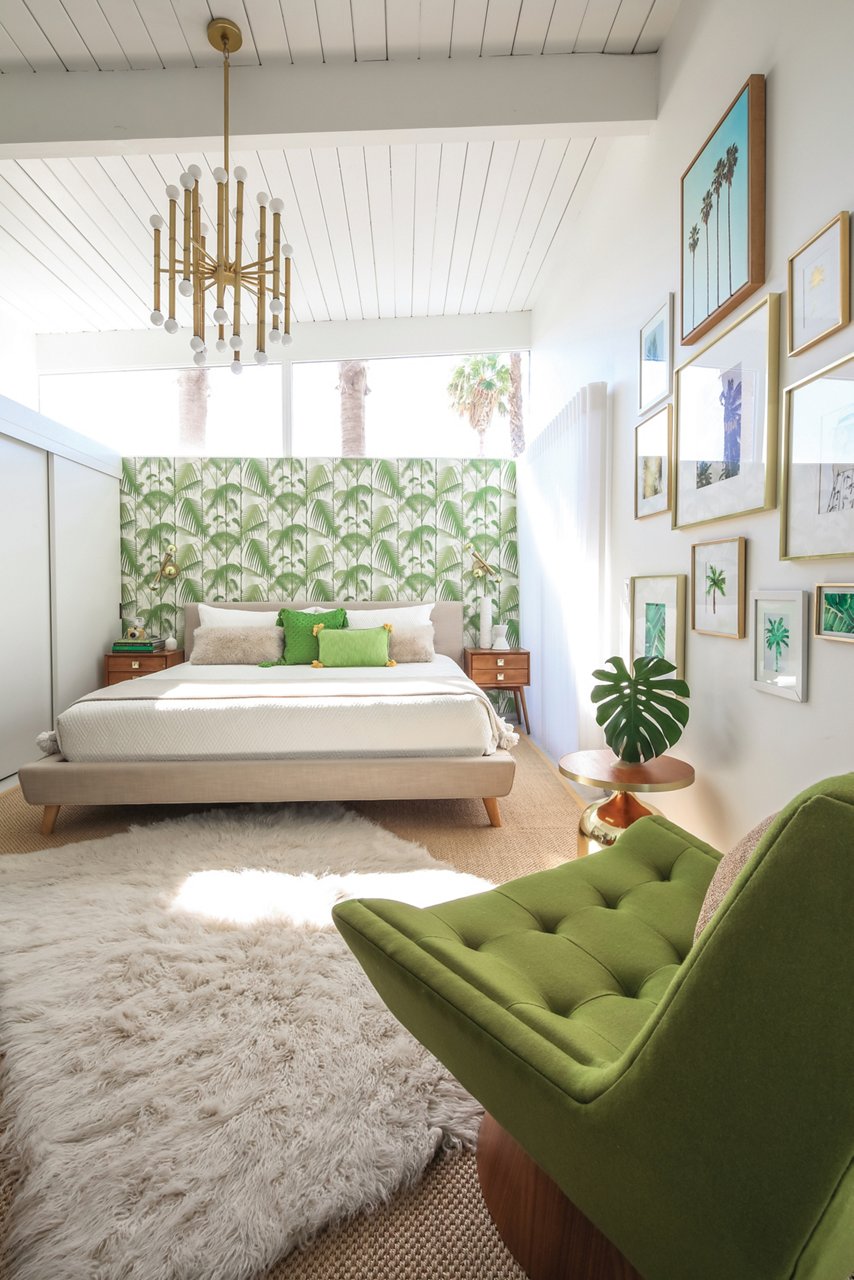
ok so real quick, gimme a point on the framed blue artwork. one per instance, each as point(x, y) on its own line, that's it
point(723, 216)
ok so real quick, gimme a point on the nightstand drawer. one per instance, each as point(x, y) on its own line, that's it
point(135, 663)
point(513, 666)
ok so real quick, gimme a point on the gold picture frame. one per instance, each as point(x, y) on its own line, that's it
point(825, 259)
point(722, 469)
point(722, 203)
point(722, 573)
point(655, 348)
point(655, 433)
point(843, 617)
point(818, 423)
point(661, 597)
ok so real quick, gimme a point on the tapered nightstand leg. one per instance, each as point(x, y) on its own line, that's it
point(490, 803)
point(51, 812)
point(525, 709)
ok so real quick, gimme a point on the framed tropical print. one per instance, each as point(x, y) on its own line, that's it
point(779, 620)
point(723, 216)
point(819, 298)
point(652, 464)
point(817, 518)
point(725, 436)
point(657, 605)
point(655, 358)
point(834, 611)
point(718, 587)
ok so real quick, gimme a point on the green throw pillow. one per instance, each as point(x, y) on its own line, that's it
point(300, 642)
point(367, 648)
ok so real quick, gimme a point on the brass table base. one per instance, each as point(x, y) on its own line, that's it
point(604, 821)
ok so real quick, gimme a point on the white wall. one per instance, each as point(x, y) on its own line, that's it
point(19, 374)
point(618, 260)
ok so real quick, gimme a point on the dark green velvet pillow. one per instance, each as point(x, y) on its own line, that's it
point(366, 647)
point(301, 648)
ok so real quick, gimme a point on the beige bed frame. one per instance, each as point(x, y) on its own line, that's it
point(54, 781)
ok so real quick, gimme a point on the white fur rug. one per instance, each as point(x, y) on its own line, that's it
point(198, 1075)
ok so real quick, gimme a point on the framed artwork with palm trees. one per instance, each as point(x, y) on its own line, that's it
point(657, 611)
point(725, 436)
point(655, 372)
point(779, 620)
point(723, 215)
point(718, 587)
point(834, 611)
point(652, 463)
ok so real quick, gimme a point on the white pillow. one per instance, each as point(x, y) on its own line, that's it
point(416, 615)
point(210, 616)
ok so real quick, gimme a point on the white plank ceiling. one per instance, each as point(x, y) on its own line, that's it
point(379, 231)
point(114, 35)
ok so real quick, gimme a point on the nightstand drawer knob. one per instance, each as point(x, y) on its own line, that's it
point(499, 662)
point(500, 675)
point(134, 666)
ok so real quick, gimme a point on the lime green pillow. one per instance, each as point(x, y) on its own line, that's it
point(367, 648)
point(299, 628)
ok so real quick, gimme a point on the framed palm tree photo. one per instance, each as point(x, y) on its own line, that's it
point(655, 365)
point(834, 611)
point(723, 215)
point(819, 295)
point(725, 437)
point(652, 464)
point(718, 587)
point(657, 609)
point(779, 620)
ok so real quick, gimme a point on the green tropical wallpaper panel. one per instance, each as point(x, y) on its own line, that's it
point(317, 529)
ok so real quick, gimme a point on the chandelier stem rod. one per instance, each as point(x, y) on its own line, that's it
point(225, 127)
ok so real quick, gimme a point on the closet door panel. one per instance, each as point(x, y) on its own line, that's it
point(25, 640)
point(86, 578)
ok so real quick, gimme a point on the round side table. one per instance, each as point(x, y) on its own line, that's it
point(602, 822)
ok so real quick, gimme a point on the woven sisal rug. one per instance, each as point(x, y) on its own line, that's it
point(198, 1076)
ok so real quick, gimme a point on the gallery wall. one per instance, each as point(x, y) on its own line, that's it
point(317, 529)
point(618, 260)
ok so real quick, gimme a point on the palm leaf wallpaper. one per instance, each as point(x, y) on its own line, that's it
point(317, 529)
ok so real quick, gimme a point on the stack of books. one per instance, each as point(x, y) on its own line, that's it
point(152, 645)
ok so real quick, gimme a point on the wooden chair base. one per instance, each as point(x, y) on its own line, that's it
point(547, 1235)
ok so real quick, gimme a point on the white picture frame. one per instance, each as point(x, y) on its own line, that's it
point(655, 358)
point(779, 624)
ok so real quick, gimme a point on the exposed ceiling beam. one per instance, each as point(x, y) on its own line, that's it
point(122, 112)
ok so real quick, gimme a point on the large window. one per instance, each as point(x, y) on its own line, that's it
point(172, 411)
point(402, 407)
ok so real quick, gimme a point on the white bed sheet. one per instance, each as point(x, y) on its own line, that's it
point(425, 709)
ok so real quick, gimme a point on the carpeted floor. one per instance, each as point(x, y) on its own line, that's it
point(440, 1228)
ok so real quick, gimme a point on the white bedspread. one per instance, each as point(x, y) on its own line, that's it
point(252, 713)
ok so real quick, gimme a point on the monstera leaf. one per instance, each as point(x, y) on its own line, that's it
point(642, 710)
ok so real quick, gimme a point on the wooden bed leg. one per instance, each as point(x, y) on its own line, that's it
point(490, 803)
point(51, 812)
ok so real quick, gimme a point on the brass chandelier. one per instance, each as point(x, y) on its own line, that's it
point(199, 271)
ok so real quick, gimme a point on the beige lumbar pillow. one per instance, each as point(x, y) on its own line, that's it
point(412, 644)
point(728, 869)
point(243, 646)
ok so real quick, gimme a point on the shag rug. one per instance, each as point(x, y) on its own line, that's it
point(198, 1076)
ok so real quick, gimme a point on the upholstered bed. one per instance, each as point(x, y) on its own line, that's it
point(226, 734)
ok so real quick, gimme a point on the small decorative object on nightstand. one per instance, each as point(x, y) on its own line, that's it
point(130, 666)
point(502, 669)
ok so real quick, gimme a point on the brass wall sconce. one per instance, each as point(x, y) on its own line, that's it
point(169, 569)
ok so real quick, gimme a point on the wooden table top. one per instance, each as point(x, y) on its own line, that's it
point(603, 769)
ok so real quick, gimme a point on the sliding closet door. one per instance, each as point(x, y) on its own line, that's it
point(25, 671)
point(87, 576)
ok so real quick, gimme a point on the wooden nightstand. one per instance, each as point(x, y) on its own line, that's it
point(502, 669)
point(130, 666)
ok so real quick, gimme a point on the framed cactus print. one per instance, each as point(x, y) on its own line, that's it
point(723, 216)
point(718, 587)
point(657, 610)
point(834, 611)
point(779, 622)
point(725, 436)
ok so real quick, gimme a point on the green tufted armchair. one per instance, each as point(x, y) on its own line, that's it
point(695, 1102)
